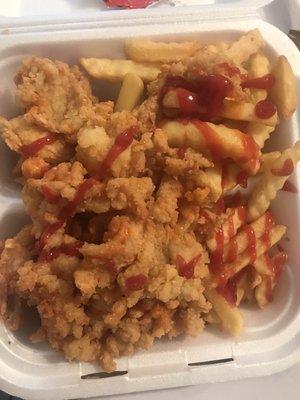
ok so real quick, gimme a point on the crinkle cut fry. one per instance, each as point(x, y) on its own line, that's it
point(276, 233)
point(270, 182)
point(216, 140)
point(235, 218)
point(231, 318)
point(241, 240)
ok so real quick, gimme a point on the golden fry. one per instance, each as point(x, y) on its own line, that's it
point(130, 93)
point(116, 70)
point(142, 50)
point(284, 93)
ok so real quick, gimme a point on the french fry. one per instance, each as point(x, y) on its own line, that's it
point(234, 110)
point(267, 160)
point(142, 50)
point(241, 111)
point(261, 265)
point(283, 92)
point(260, 132)
point(244, 259)
point(236, 217)
point(263, 292)
point(219, 47)
point(269, 184)
point(212, 178)
point(240, 51)
point(259, 65)
point(116, 70)
point(130, 93)
point(198, 135)
point(231, 318)
point(241, 240)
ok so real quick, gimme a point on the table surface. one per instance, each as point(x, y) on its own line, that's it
point(286, 15)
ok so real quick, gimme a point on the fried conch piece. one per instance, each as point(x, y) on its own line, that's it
point(55, 96)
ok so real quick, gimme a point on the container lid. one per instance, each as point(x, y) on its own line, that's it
point(33, 13)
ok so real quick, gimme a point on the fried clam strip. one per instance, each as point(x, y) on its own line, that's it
point(30, 140)
point(272, 181)
point(55, 96)
point(260, 247)
point(15, 253)
point(269, 270)
point(218, 141)
point(232, 109)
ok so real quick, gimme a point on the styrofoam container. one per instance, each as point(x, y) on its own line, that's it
point(271, 338)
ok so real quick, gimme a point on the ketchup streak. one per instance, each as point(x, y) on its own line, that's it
point(122, 142)
point(68, 249)
point(204, 94)
point(269, 222)
point(285, 170)
point(251, 249)
point(264, 109)
point(186, 269)
point(30, 150)
point(289, 187)
point(265, 82)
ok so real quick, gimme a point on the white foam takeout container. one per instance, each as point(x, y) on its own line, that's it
point(271, 338)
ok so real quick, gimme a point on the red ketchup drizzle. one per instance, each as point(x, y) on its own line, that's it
point(111, 268)
point(230, 70)
point(206, 92)
point(269, 222)
point(232, 245)
point(68, 249)
point(30, 150)
point(231, 230)
point(285, 170)
point(269, 289)
point(188, 102)
point(129, 3)
point(136, 282)
point(265, 82)
point(289, 187)
point(251, 249)
point(122, 141)
point(264, 109)
point(217, 256)
point(278, 262)
point(242, 213)
point(215, 146)
point(242, 179)
point(186, 269)
point(50, 195)
point(229, 291)
point(232, 250)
